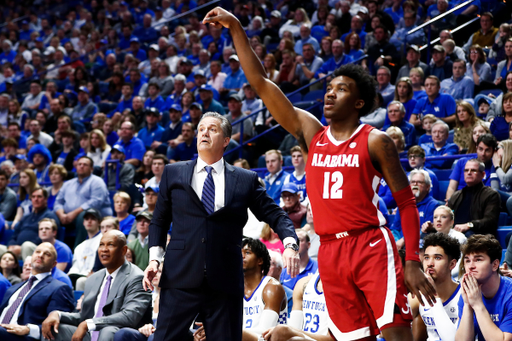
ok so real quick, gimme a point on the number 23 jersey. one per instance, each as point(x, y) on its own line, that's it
point(342, 183)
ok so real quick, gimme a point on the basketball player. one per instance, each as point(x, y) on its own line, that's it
point(345, 163)
point(309, 313)
point(439, 322)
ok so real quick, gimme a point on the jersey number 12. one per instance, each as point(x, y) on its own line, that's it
point(332, 184)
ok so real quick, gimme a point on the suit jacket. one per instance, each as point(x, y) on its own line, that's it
point(128, 305)
point(48, 295)
point(214, 241)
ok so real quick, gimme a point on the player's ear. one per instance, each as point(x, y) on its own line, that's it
point(453, 264)
point(495, 265)
point(359, 104)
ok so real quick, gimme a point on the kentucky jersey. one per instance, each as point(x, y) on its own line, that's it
point(451, 308)
point(342, 183)
point(254, 305)
point(314, 308)
point(300, 182)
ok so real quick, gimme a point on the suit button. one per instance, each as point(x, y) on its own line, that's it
point(203, 240)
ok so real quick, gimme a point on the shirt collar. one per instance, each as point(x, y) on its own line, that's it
point(41, 276)
point(217, 166)
point(113, 274)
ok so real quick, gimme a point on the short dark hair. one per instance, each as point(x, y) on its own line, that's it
point(489, 140)
point(13, 123)
point(260, 250)
point(88, 158)
point(45, 192)
point(450, 245)
point(161, 157)
point(365, 83)
point(479, 243)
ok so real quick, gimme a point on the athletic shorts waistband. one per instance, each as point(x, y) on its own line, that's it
point(342, 235)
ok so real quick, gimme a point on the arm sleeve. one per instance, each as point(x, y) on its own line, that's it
point(444, 326)
point(505, 178)
point(411, 222)
point(268, 320)
point(296, 319)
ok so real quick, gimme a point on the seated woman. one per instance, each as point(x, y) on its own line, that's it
point(465, 120)
point(500, 124)
point(398, 137)
point(57, 176)
point(122, 202)
point(10, 267)
point(271, 239)
point(502, 160)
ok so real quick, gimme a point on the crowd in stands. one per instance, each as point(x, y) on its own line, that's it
point(97, 97)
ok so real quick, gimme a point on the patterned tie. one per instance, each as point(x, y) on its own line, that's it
point(103, 300)
point(208, 197)
point(10, 313)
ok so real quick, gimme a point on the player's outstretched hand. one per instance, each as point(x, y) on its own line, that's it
point(149, 274)
point(418, 283)
point(219, 17)
point(291, 262)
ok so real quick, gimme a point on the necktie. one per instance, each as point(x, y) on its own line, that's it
point(10, 313)
point(103, 300)
point(208, 196)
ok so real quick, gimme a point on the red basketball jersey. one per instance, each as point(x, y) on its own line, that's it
point(342, 183)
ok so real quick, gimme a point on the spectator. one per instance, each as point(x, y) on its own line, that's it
point(130, 310)
point(482, 254)
point(204, 63)
point(353, 47)
point(496, 106)
point(122, 203)
point(209, 103)
point(28, 182)
point(306, 38)
point(386, 89)
point(485, 36)
point(57, 176)
point(140, 245)
point(164, 80)
point(36, 133)
point(14, 132)
point(465, 121)
point(64, 156)
point(413, 61)
point(235, 114)
point(401, 36)
point(143, 173)
point(500, 125)
point(274, 180)
point(10, 267)
point(8, 199)
point(307, 265)
point(217, 76)
point(443, 106)
point(421, 184)
point(293, 25)
point(416, 157)
point(146, 33)
point(154, 99)
point(442, 68)
point(250, 104)
point(416, 75)
point(33, 100)
point(477, 68)
point(28, 229)
point(236, 79)
point(356, 26)
point(48, 230)
point(306, 66)
point(51, 294)
point(459, 86)
point(292, 206)
point(172, 132)
point(383, 53)
point(498, 48)
point(485, 147)
point(125, 103)
point(440, 146)
point(157, 168)
point(10, 147)
point(99, 150)
point(186, 150)
point(8, 54)
point(476, 206)
point(398, 138)
point(396, 115)
point(270, 33)
point(85, 109)
point(378, 116)
point(78, 195)
point(501, 164)
point(152, 131)
point(451, 54)
point(41, 158)
point(126, 171)
point(338, 59)
point(133, 146)
point(298, 176)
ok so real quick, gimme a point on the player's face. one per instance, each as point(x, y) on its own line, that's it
point(249, 259)
point(341, 98)
point(436, 263)
point(479, 265)
point(442, 220)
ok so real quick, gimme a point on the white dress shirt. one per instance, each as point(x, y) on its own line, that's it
point(34, 329)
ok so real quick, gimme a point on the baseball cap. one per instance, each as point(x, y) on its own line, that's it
point(362, 9)
point(93, 212)
point(63, 50)
point(234, 57)
point(186, 61)
point(438, 48)
point(83, 88)
point(153, 111)
point(235, 97)
point(134, 40)
point(20, 157)
point(413, 47)
point(155, 189)
point(484, 100)
point(49, 50)
point(275, 14)
point(104, 41)
point(144, 214)
point(176, 107)
point(119, 148)
point(290, 187)
point(154, 47)
point(206, 87)
point(197, 105)
point(199, 73)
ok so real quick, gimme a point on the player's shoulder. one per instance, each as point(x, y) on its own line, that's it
point(273, 287)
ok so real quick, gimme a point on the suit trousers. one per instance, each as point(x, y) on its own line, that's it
point(221, 312)
point(66, 332)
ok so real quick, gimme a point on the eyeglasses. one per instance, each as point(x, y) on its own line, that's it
point(472, 170)
point(413, 156)
point(474, 52)
point(416, 182)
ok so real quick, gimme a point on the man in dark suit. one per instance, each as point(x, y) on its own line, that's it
point(207, 200)
point(122, 301)
point(27, 304)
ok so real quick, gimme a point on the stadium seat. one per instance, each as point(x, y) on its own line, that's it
point(6, 237)
point(443, 187)
point(314, 95)
point(503, 231)
point(443, 174)
point(495, 92)
point(503, 219)
point(78, 294)
point(503, 256)
point(297, 97)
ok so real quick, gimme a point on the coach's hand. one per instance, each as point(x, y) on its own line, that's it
point(418, 283)
point(149, 274)
point(291, 262)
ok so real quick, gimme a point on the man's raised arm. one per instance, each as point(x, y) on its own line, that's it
point(299, 123)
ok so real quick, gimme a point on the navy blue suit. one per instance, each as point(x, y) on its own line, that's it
point(203, 261)
point(48, 295)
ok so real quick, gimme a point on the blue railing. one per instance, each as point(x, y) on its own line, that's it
point(290, 95)
point(184, 14)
